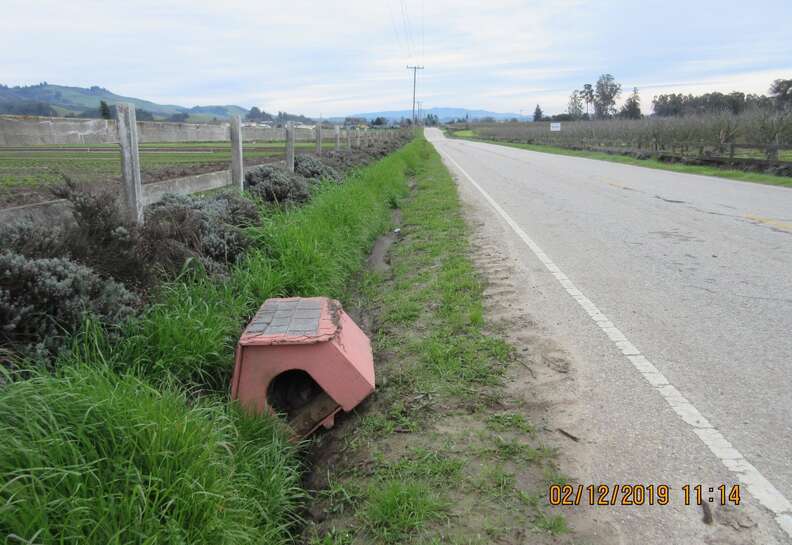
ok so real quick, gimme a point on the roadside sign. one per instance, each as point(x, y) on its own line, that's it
point(555, 127)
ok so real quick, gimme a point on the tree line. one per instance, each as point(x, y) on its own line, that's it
point(598, 101)
point(258, 115)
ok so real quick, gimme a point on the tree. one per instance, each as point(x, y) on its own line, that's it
point(27, 108)
point(431, 120)
point(379, 121)
point(254, 114)
point(179, 117)
point(632, 106)
point(104, 110)
point(354, 121)
point(606, 91)
point(575, 108)
point(588, 96)
point(538, 114)
point(781, 91)
point(140, 115)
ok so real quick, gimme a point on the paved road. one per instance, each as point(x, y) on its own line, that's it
point(673, 292)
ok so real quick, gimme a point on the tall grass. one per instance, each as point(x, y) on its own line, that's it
point(89, 457)
point(116, 448)
point(313, 250)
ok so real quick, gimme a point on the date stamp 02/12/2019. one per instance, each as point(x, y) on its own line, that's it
point(642, 494)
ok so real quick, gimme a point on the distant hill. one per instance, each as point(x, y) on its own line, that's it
point(443, 114)
point(76, 100)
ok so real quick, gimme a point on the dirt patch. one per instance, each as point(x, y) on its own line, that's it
point(378, 259)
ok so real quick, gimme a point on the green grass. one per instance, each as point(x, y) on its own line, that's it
point(434, 456)
point(555, 524)
point(465, 133)
point(35, 169)
point(509, 421)
point(398, 508)
point(730, 174)
point(133, 440)
point(191, 332)
point(91, 457)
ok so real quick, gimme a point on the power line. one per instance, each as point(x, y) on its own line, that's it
point(407, 33)
point(423, 38)
point(395, 28)
point(415, 77)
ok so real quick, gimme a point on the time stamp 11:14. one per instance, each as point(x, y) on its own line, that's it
point(642, 494)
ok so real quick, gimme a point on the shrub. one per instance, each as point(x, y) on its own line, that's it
point(191, 334)
point(43, 300)
point(32, 240)
point(179, 229)
point(309, 166)
point(345, 160)
point(89, 457)
point(101, 237)
point(273, 184)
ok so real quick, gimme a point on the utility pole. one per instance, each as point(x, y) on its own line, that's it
point(415, 72)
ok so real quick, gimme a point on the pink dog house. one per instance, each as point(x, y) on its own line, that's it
point(305, 357)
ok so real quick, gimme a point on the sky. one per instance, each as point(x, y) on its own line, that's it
point(332, 58)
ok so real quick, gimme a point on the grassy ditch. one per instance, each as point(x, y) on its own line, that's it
point(191, 333)
point(127, 436)
point(442, 452)
point(731, 174)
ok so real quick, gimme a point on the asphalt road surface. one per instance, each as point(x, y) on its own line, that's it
point(673, 293)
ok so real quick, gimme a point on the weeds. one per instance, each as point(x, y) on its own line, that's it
point(91, 457)
point(423, 451)
point(509, 421)
point(396, 509)
point(191, 332)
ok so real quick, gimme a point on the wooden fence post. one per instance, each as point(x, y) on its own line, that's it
point(237, 168)
point(319, 139)
point(337, 138)
point(130, 163)
point(348, 138)
point(290, 146)
point(357, 137)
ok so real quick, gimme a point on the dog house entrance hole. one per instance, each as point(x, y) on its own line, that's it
point(292, 391)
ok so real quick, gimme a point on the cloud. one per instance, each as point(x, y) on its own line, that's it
point(336, 58)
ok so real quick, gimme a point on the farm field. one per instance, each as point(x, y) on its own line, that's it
point(729, 173)
point(26, 173)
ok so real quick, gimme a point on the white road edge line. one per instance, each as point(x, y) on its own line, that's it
point(758, 486)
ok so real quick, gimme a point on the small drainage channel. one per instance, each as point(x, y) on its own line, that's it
point(378, 259)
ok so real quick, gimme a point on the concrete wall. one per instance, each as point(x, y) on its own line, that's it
point(185, 186)
point(30, 130)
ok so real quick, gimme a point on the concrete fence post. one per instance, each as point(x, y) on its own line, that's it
point(357, 137)
point(348, 138)
point(130, 163)
point(290, 146)
point(337, 137)
point(237, 165)
point(319, 139)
